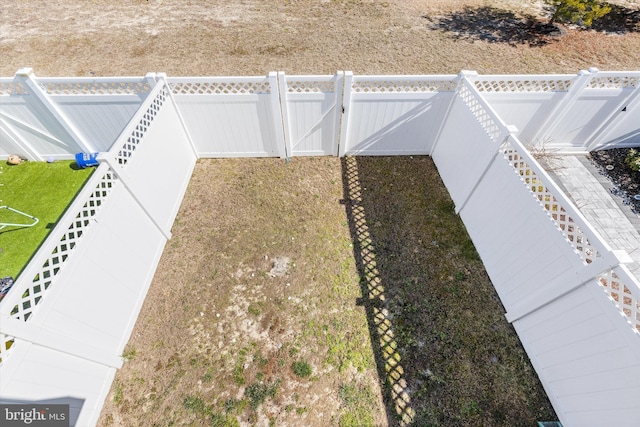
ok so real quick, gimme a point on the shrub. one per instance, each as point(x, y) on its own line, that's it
point(581, 12)
point(633, 160)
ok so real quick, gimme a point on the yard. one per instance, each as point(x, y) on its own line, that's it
point(41, 190)
point(319, 292)
point(322, 291)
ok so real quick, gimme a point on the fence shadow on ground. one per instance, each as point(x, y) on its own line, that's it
point(444, 352)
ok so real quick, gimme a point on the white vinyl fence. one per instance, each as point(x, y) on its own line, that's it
point(568, 113)
point(394, 115)
point(231, 117)
point(573, 303)
point(558, 281)
point(55, 117)
point(68, 317)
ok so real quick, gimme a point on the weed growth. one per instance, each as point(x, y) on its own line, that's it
point(301, 368)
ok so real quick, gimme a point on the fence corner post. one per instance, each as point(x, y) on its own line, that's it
point(26, 72)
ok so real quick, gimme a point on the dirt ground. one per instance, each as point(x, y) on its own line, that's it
point(356, 268)
point(252, 37)
point(289, 293)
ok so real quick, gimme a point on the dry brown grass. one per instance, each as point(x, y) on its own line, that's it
point(383, 297)
point(218, 335)
point(296, 36)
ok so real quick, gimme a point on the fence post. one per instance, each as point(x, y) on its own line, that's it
point(557, 113)
point(29, 79)
point(339, 102)
point(345, 110)
point(284, 111)
point(280, 121)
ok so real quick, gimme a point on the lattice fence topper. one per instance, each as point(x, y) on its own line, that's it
point(220, 88)
point(614, 82)
point(45, 278)
point(623, 298)
point(565, 223)
point(13, 88)
point(522, 85)
point(490, 125)
point(95, 87)
point(311, 86)
point(403, 86)
point(130, 146)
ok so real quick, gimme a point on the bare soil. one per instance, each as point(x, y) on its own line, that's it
point(252, 37)
point(322, 291)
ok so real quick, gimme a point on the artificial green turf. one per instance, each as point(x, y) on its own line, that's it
point(43, 190)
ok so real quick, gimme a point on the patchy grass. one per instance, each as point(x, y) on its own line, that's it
point(383, 315)
point(302, 369)
point(43, 190)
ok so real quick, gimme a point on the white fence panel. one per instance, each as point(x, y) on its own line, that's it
point(100, 108)
point(231, 116)
point(312, 110)
point(464, 148)
point(394, 115)
point(524, 101)
point(27, 128)
point(80, 296)
point(622, 130)
point(574, 128)
point(71, 345)
point(520, 246)
point(98, 302)
point(624, 133)
point(48, 376)
point(155, 158)
point(37, 350)
point(587, 358)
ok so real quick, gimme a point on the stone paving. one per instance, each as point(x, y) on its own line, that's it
point(590, 192)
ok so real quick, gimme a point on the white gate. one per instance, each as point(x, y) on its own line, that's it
point(311, 109)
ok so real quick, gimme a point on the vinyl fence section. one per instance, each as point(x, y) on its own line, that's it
point(394, 115)
point(568, 113)
point(43, 118)
point(571, 301)
point(66, 322)
point(232, 116)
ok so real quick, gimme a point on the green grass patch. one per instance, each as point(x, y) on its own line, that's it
point(43, 190)
point(259, 392)
point(358, 403)
point(301, 369)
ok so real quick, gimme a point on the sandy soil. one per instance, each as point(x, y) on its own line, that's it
point(251, 37)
